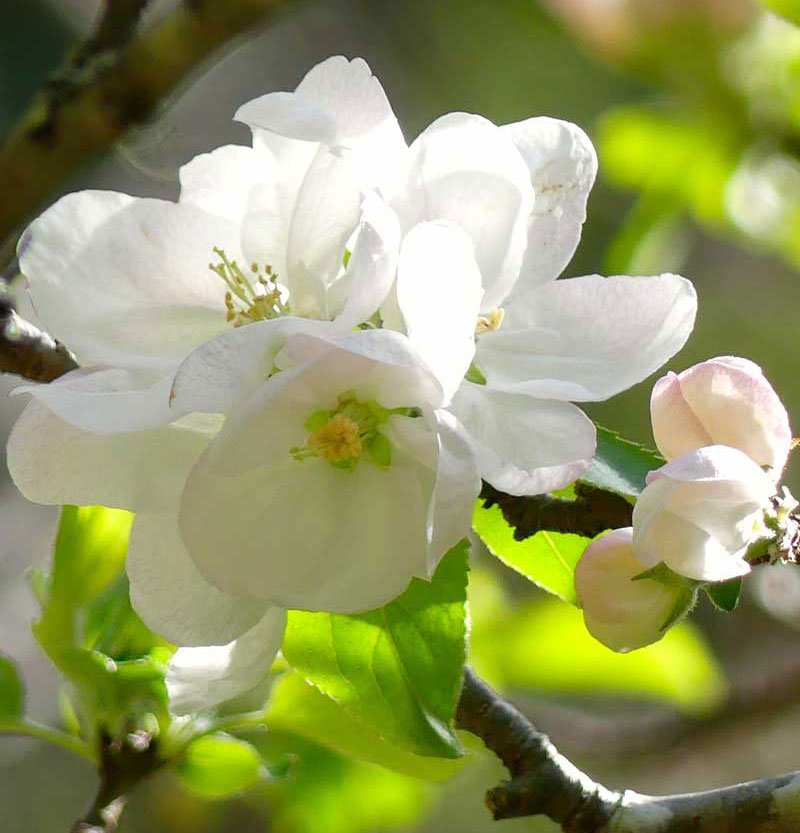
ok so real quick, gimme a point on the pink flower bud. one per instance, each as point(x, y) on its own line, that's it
point(722, 401)
point(619, 612)
point(699, 513)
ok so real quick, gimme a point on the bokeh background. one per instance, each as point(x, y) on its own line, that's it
point(694, 106)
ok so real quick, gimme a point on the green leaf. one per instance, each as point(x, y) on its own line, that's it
point(398, 669)
point(725, 595)
point(544, 646)
point(790, 9)
point(218, 766)
point(547, 559)
point(298, 707)
point(620, 465)
point(12, 692)
point(328, 793)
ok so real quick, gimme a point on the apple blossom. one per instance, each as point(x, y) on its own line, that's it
point(620, 610)
point(518, 194)
point(700, 512)
point(726, 401)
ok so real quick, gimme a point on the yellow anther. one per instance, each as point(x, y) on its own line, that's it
point(339, 440)
point(491, 322)
point(246, 301)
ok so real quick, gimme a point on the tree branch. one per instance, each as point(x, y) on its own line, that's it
point(592, 511)
point(123, 765)
point(544, 782)
point(27, 351)
point(62, 132)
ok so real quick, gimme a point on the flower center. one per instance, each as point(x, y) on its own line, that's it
point(491, 322)
point(343, 435)
point(249, 299)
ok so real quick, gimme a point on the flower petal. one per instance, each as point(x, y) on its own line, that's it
point(106, 401)
point(53, 462)
point(171, 596)
point(439, 294)
point(525, 446)
point(585, 339)
point(309, 536)
point(220, 182)
point(198, 678)
point(372, 267)
point(563, 166)
point(457, 488)
point(225, 370)
point(466, 170)
point(126, 282)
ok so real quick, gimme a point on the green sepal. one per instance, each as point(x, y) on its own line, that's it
point(725, 595)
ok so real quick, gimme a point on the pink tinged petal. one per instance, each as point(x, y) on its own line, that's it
point(701, 511)
point(53, 462)
point(124, 281)
point(169, 594)
point(106, 401)
point(439, 294)
point(619, 612)
point(358, 294)
point(525, 446)
point(728, 401)
point(220, 182)
point(563, 166)
point(457, 487)
point(226, 370)
point(202, 677)
point(464, 169)
point(586, 339)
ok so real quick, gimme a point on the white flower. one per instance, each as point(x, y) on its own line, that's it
point(619, 610)
point(725, 401)
point(497, 212)
point(700, 512)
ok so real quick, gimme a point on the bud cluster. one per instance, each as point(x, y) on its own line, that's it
point(704, 517)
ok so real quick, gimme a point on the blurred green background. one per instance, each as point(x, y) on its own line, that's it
point(694, 106)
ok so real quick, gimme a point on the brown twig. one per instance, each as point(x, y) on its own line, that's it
point(544, 782)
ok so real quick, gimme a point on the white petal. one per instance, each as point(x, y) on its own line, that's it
point(126, 282)
point(224, 371)
point(371, 271)
point(53, 462)
point(172, 598)
point(307, 535)
point(327, 212)
point(106, 401)
point(457, 487)
point(198, 678)
point(220, 182)
point(563, 167)
point(439, 294)
point(586, 339)
point(525, 446)
point(341, 104)
point(466, 170)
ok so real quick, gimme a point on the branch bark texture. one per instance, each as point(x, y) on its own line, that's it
point(544, 782)
point(73, 120)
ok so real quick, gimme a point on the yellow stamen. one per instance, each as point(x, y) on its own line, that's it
point(339, 440)
point(490, 323)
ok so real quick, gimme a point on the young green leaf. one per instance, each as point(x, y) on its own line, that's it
point(620, 465)
point(12, 692)
point(397, 669)
point(725, 595)
point(218, 766)
point(548, 559)
point(298, 707)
